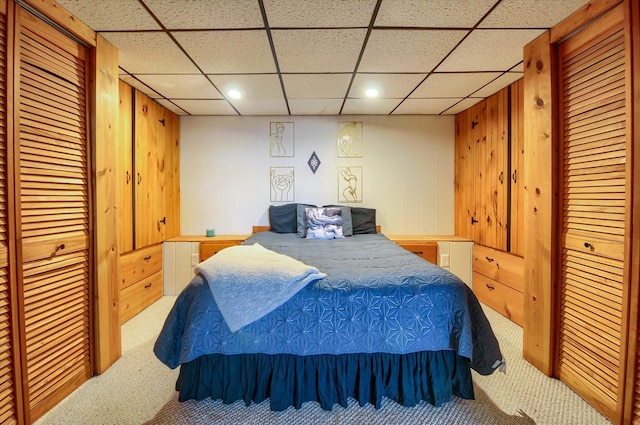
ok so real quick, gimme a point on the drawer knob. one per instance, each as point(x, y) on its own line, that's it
point(417, 252)
point(147, 286)
point(490, 287)
point(489, 259)
point(147, 258)
point(588, 245)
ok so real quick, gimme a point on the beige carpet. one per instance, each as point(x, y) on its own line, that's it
point(138, 389)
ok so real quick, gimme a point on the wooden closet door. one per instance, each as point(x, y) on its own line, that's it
point(593, 201)
point(10, 401)
point(54, 212)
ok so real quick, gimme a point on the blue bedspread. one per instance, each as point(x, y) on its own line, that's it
point(376, 298)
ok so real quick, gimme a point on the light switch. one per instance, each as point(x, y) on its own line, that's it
point(194, 259)
point(444, 260)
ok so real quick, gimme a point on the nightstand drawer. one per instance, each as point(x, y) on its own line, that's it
point(427, 250)
point(209, 248)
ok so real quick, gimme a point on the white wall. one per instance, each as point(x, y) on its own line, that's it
point(408, 170)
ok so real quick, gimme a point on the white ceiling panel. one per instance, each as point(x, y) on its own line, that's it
point(112, 15)
point(369, 106)
point(190, 14)
point(407, 50)
point(171, 106)
point(390, 86)
point(453, 85)
point(138, 85)
point(149, 53)
point(228, 52)
point(318, 51)
point(432, 13)
point(315, 106)
point(319, 13)
point(205, 107)
point(253, 106)
point(489, 50)
point(425, 106)
point(194, 86)
point(530, 14)
point(498, 84)
point(316, 86)
point(256, 86)
point(463, 104)
point(424, 56)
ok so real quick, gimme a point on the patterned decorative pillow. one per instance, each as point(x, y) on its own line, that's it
point(324, 223)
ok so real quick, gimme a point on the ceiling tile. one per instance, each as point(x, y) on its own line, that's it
point(256, 86)
point(189, 14)
point(498, 84)
point(254, 106)
point(149, 53)
point(462, 105)
point(112, 15)
point(181, 86)
point(315, 106)
point(453, 85)
point(318, 51)
point(171, 106)
point(137, 84)
point(319, 86)
point(425, 106)
point(407, 50)
point(319, 13)
point(489, 50)
point(390, 86)
point(205, 107)
point(369, 106)
point(220, 52)
point(432, 13)
point(520, 14)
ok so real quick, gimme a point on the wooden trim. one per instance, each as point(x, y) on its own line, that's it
point(66, 20)
point(105, 131)
point(632, 31)
point(585, 14)
point(539, 219)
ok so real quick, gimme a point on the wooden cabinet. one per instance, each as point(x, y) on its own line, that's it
point(140, 280)
point(149, 196)
point(148, 171)
point(498, 281)
point(489, 166)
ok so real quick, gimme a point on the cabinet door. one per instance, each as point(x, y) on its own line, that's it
point(516, 230)
point(54, 212)
point(172, 173)
point(150, 217)
point(124, 165)
point(593, 154)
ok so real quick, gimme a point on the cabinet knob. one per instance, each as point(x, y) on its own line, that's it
point(489, 259)
point(163, 221)
point(473, 220)
point(139, 178)
point(490, 287)
point(588, 245)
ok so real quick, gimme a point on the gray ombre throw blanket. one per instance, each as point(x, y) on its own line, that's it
point(250, 281)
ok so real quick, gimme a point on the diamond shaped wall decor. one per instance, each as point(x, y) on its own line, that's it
point(314, 162)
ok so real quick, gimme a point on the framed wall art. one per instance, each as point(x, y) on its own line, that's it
point(350, 142)
point(282, 183)
point(350, 184)
point(281, 139)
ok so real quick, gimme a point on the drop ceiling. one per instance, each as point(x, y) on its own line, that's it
point(317, 57)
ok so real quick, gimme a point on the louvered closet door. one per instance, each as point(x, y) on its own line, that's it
point(54, 212)
point(9, 408)
point(593, 163)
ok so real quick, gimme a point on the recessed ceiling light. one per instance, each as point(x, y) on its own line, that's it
point(371, 92)
point(234, 94)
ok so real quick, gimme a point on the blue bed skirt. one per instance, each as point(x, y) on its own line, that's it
point(290, 380)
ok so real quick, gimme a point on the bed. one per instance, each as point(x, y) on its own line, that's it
point(371, 320)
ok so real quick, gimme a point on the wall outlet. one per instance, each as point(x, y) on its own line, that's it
point(444, 260)
point(194, 259)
